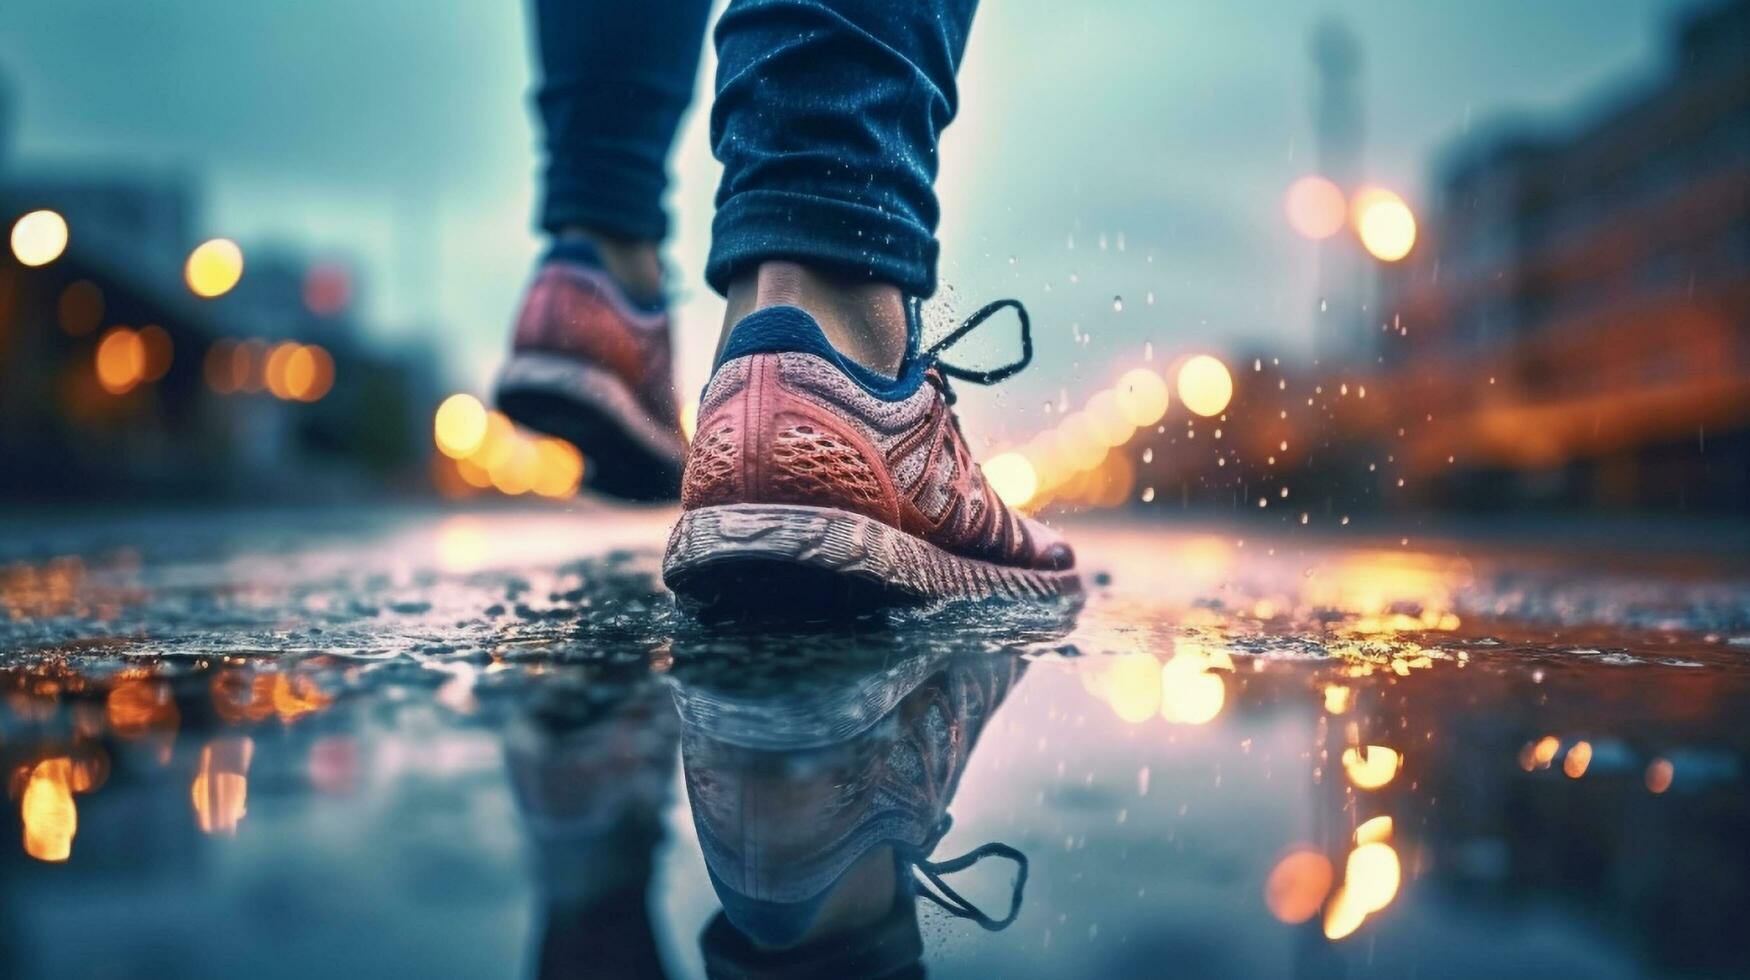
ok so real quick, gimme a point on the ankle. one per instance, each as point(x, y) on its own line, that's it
point(865, 321)
point(635, 265)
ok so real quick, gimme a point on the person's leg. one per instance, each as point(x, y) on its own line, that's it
point(826, 120)
point(591, 358)
point(615, 79)
point(829, 473)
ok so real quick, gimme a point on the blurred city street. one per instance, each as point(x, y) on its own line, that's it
point(1388, 368)
point(314, 741)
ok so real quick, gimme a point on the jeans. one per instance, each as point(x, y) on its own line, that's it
point(826, 121)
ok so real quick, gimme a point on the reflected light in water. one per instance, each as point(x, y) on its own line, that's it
point(1579, 757)
point(1371, 876)
point(1371, 766)
point(50, 818)
point(1133, 686)
point(1343, 915)
point(220, 792)
point(296, 696)
point(1297, 886)
point(1190, 693)
point(1337, 698)
point(1545, 751)
point(136, 708)
point(1375, 830)
point(462, 545)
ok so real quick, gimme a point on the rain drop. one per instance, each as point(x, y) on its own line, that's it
point(1118, 304)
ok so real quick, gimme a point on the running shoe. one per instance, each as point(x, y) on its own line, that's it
point(785, 814)
point(593, 366)
point(816, 483)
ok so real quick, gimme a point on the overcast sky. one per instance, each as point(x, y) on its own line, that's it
point(397, 133)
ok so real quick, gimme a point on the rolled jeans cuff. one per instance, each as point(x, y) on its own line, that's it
point(842, 237)
point(621, 202)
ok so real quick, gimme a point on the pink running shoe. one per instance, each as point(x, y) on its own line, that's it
point(593, 367)
point(817, 483)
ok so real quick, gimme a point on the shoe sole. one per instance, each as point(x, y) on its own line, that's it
point(626, 453)
point(787, 561)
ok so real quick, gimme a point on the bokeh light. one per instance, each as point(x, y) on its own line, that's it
point(1205, 386)
point(1315, 207)
point(159, 351)
point(1374, 830)
point(559, 468)
point(327, 288)
point(121, 360)
point(1297, 886)
point(1371, 876)
point(1371, 766)
point(50, 816)
point(1013, 478)
point(1142, 395)
point(1384, 223)
point(214, 267)
point(460, 425)
point(1111, 427)
point(39, 238)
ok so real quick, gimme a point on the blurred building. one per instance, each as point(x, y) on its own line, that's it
point(1574, 325)
point(116, 378)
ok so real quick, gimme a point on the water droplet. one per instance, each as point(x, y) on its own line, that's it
point(1011, 260)
point(1148, 495)
point(1148, 455)
point(1118, 304)
point(1148, 350)
point(1150, 298)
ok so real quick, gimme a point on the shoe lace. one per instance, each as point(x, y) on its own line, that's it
point(989, 377)
point(933, 887)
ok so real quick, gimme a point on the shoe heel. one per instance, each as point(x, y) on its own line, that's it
point(783, 562)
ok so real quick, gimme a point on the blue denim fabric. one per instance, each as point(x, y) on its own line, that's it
point(616, 76)
point(826, 121)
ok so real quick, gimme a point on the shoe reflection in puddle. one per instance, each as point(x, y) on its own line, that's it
point(592, 765)
point(819, 800)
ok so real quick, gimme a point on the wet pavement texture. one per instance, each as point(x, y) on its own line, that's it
point(485, 744)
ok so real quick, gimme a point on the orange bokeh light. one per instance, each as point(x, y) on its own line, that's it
point(1315, 207)
point(121, 360)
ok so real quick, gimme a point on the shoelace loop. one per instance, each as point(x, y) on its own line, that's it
point(943, 894)
point(994, 375)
